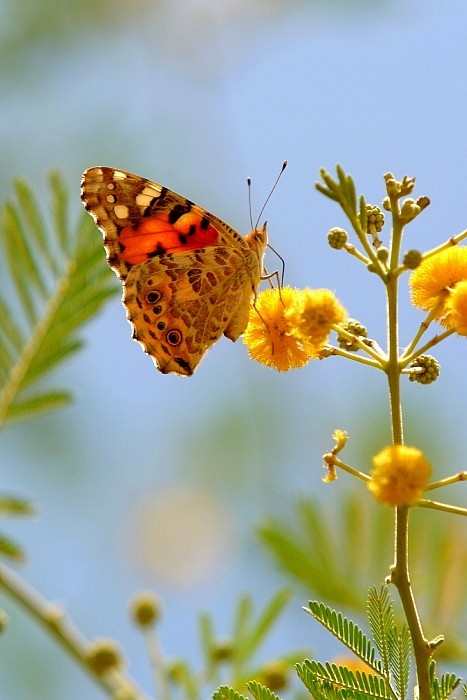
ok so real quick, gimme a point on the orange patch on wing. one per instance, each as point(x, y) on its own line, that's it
point(156, 236)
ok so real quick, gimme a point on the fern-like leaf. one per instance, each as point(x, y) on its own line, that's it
point(260, 692)
point(358, 685)
point(381, 618)
point(226, 693)
point(347, 632)
point(57, 279)
point(443, 687)
point(399, 650)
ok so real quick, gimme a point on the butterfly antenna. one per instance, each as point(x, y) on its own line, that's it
point(248, 182)
point(284, 165)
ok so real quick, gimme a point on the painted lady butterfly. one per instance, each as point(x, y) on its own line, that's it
point(187, 276)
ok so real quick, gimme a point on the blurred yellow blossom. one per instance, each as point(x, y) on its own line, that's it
point(399, 475)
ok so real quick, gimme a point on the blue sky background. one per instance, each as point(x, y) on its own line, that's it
point(198, 96)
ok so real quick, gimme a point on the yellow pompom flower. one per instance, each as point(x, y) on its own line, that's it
point(436, 276)
point(456, 309)
point(312, 315)
point(399, 476)
point(268, 335)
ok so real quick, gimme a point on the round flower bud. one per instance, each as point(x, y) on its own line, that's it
point(399, 476)
point(356, 328)
point(412, 259)
point(425, 369)
point(275, 674)
point(176, 671)
point(145, 609)
point(375, 218)
point(383, 254)
point(222, 650)
point(103, 655)
point(337, 238)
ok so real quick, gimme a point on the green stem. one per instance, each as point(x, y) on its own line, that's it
point(392, 366)
point(53, 618)
point(156, 659)
point(431, 343)
point(445, 507)
point(400, 569)
point(401, 579)
point(460, 476)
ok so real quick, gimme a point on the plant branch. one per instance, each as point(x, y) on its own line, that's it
point(56, 622)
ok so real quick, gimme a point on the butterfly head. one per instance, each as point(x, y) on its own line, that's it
point(258, 240)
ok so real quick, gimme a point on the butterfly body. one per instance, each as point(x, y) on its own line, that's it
point(187, 276)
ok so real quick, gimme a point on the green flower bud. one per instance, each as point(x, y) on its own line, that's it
point(145, 609)
point(337, 238)
point(425, 369)
point(375, 218)
point(103, 655)
point(356, 328)
point(412, 259)
point(383, 254)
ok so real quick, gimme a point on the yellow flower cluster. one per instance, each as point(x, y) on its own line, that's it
point(439, 285)
point(399, 476)
point(288, 327)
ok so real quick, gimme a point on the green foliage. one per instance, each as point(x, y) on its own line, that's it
point(381, 618)
point(347, 632)
point(394, 646)
point(57, 279)
point(319, 552)
point(10, 506)
point(331, 681)
point(445, 685)
point(238, 651)
point(260, 692)
point(248, 633)
point(226, 693)
point(10, 549)
point(229, 660)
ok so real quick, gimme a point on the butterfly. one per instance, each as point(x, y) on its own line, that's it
point(187, 276)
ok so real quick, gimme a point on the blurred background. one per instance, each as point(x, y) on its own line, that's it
point(158, 482)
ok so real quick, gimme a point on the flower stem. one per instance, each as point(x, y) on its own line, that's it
point(56, 622)
point(400, 569)
point(400, 578)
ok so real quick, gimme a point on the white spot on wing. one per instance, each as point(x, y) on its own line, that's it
point(121, 211)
